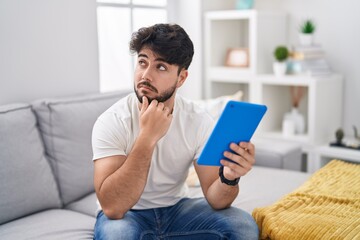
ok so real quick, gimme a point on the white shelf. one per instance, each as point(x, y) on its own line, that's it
point(241, 14)
point(241, 75)
point(295, 80)
point(231, 14)
point(324, 154)
point(286, 80)
point(339, 153)
point(300, 138)
point(230, 74)
point(261, 32)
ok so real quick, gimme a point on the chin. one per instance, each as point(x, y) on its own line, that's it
point(140, 95)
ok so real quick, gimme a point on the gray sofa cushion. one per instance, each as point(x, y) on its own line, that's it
point(262, 186)
point(26, 181)
point(278, 154)
point(52, 224)
point(66, 126)
point(86, 205)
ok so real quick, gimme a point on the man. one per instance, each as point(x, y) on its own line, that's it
point(144, 145)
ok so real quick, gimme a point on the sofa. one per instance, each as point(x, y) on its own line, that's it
point(46, 173)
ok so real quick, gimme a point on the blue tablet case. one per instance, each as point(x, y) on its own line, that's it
point(237, 123)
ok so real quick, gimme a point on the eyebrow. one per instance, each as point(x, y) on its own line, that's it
point(156, 59)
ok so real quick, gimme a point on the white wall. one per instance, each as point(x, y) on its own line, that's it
point(47, 49)
point(190, 19)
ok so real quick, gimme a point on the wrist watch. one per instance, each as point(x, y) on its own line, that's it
point(225, 180)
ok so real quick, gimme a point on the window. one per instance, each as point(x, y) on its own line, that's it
point(117, 19)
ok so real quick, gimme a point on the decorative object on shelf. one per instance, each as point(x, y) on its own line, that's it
point(297, 93)
point(294, 116)
point(351, 144)
point(307, 29)
point(244, 4)
point(288, 126)
point(281, 54)
point(356, 133)
point(339, 134)
point(297, 120)
point(237, 57)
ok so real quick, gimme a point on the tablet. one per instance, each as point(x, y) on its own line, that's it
point(237, 123)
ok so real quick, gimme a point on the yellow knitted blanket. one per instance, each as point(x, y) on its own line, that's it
point(326, 206)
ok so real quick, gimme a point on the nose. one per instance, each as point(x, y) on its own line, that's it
point(147, 74)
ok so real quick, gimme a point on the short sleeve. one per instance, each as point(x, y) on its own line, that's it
point(205, 129)
point(109, 136)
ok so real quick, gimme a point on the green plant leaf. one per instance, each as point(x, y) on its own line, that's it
point(281, 53)
point(308, 27)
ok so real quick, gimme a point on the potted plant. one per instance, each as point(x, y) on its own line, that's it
point(281, 54)
point(307, 29)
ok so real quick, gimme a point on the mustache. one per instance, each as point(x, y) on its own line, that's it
point(147, 84)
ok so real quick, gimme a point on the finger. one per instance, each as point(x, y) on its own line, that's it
point(167, 110)
point(239, 150)
point(237, 159)
point(239, 165)
point(245, 153)
point(161, 106)
point(154, 103)
point(145, 104)
point(236, 170)
point(249, 147)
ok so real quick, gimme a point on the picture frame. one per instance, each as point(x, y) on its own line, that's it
point(237, 57)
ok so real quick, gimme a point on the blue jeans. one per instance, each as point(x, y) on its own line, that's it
point(188, 219)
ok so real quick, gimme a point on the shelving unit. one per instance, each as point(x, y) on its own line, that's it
point(261, 32)
point(257, 31)
point(321, 106)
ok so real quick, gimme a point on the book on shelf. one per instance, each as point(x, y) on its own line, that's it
point(307, 52)
point(308, 60)
point(314, 47)
point(313, 67)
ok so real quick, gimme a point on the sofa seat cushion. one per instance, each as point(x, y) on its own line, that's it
point(52, 224)
point(66, 126)
point(86, 205)
point(26, 180)
point(262, 186)
point(278, 154)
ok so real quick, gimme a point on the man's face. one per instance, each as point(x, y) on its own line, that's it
point(154, 78)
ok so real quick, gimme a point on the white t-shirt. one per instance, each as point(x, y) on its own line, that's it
point(115, 131)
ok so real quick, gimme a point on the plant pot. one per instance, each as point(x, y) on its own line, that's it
point(279, 68)
point(306, 39)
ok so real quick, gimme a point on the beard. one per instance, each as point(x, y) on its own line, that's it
point(163, 97)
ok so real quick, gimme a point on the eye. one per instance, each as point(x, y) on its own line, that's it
point(141, 62)
point(161, 67)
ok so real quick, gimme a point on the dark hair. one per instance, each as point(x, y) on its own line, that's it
point(168, 41)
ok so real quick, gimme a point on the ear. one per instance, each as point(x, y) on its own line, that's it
point(182, 77)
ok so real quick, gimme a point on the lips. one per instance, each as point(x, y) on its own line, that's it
point(147, 86)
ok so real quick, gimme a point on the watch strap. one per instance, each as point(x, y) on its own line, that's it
point(225, 180)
